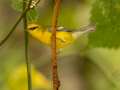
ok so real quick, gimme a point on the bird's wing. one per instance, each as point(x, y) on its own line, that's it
point(90, 27)
point(84, 30)
point(59, 28)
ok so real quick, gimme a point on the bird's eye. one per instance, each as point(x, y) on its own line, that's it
point(33, 28)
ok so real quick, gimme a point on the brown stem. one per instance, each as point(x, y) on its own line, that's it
point(56, 82)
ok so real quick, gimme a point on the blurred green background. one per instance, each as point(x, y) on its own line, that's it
point(80, 67)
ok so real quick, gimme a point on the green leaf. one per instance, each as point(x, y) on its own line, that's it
point(17, 5)
point(32, 15)
point(106, 15)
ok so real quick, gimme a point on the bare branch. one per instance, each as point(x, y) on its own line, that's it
point(56, 82)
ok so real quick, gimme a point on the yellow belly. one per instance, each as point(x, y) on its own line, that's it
point(63, 38)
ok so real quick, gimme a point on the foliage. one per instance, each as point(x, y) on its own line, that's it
point(106, 15)
point(18, 6)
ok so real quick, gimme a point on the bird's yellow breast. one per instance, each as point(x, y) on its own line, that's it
point(63, 38)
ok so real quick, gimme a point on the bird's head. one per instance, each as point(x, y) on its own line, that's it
point(32, 27)
point(35, 29)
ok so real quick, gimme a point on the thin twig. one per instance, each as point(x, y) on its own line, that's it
point(56, 82)
point(18, 21)
point(13, 28)
point(28, 62)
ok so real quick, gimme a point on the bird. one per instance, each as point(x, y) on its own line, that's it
point(64, 36)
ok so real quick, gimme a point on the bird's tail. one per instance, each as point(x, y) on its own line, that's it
point(84, 30)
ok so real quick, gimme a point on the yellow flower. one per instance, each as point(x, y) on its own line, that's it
point(17, 80)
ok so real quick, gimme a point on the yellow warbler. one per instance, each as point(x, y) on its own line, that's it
point(64, 36)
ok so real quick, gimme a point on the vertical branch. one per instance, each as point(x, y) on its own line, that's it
point(28, 63)
point(23, 16)
point(56, 82)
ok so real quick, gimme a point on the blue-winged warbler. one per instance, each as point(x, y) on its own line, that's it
point(64, 36)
